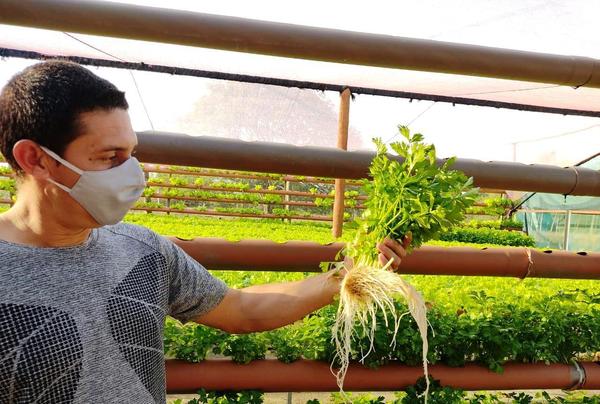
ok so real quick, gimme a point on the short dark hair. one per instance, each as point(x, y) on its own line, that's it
point(43, 103)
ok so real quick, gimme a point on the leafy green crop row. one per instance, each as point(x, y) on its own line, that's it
point(240, 185)
point(192, 226)
point(495, 224)
point(488, 236)
point(437, 395)
point(188, 226)
point(5, 170)
point(7, 184)
point(474, 319)
point(280, 212)
point(265, 176)
point(236, 186)
point(201, 194)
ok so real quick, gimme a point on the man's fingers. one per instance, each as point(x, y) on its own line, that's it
point(406, 240)
point(389, 254)
point(395, 246)
point(382, 259)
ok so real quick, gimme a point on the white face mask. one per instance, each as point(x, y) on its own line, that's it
point(107, 195)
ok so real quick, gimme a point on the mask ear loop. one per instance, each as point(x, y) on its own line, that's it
point(63, 162)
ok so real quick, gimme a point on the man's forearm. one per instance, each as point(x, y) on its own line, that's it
point(265, 307)
point(270, 306)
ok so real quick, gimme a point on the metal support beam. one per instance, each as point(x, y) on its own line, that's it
point(567, 234)
point(296, 41)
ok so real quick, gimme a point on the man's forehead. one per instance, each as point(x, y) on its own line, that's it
point(103, 131)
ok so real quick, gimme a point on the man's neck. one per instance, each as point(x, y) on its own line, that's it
point(25, 224)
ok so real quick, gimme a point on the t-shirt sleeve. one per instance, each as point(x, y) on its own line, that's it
point(193, 291)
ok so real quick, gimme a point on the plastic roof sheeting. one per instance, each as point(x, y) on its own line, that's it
point(478, 30)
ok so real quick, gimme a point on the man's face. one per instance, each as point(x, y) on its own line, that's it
point(106, 140)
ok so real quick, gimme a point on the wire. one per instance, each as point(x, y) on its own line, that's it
point(137, 88)
point(141, 99)
point(92, 46)
point(558, 135)
point(421, 114)
point(413, 120)
point(509, 91)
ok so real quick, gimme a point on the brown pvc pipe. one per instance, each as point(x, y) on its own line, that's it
point(292, 256)
point(304, 375)
point(592, 375)
point(215, 152)
point(564, 264)
point(288, 40)
point(304, 256)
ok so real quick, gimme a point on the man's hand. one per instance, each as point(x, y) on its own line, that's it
point(389, 249)
point(393, 250)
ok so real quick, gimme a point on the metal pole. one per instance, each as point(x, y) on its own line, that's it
point(340, 184)
point(296, 41)
point(567, 233)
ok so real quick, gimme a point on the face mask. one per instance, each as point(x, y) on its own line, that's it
point(107, 195)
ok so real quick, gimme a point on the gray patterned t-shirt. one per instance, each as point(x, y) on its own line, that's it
point(84, 324)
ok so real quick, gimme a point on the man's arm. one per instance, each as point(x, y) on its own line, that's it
point(265, 307)
point(269, 306)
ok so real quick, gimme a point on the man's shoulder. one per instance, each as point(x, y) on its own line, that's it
point(135, 233)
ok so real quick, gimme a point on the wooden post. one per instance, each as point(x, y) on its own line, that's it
point(342, 143)
point(287, 198)
point(168, 199)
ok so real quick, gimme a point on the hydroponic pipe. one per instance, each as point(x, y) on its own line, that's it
point(281, 158)
point(304, 256)
point(304, 375)
point(296, 41)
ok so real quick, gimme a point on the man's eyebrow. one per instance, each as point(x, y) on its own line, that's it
point(115, 148)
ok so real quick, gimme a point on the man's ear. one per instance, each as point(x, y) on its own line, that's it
point(32, 159)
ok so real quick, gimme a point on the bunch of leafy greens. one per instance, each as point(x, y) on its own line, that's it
point(411, 196)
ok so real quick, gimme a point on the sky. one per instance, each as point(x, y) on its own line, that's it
point(560, 27)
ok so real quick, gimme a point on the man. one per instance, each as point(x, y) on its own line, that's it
point(83, 297)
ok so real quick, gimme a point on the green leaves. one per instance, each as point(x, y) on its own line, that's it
point(488, 236)
point(410, 196)
point(241, 348)
point(228, 397)
point(8, 185)
point(437, 394)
